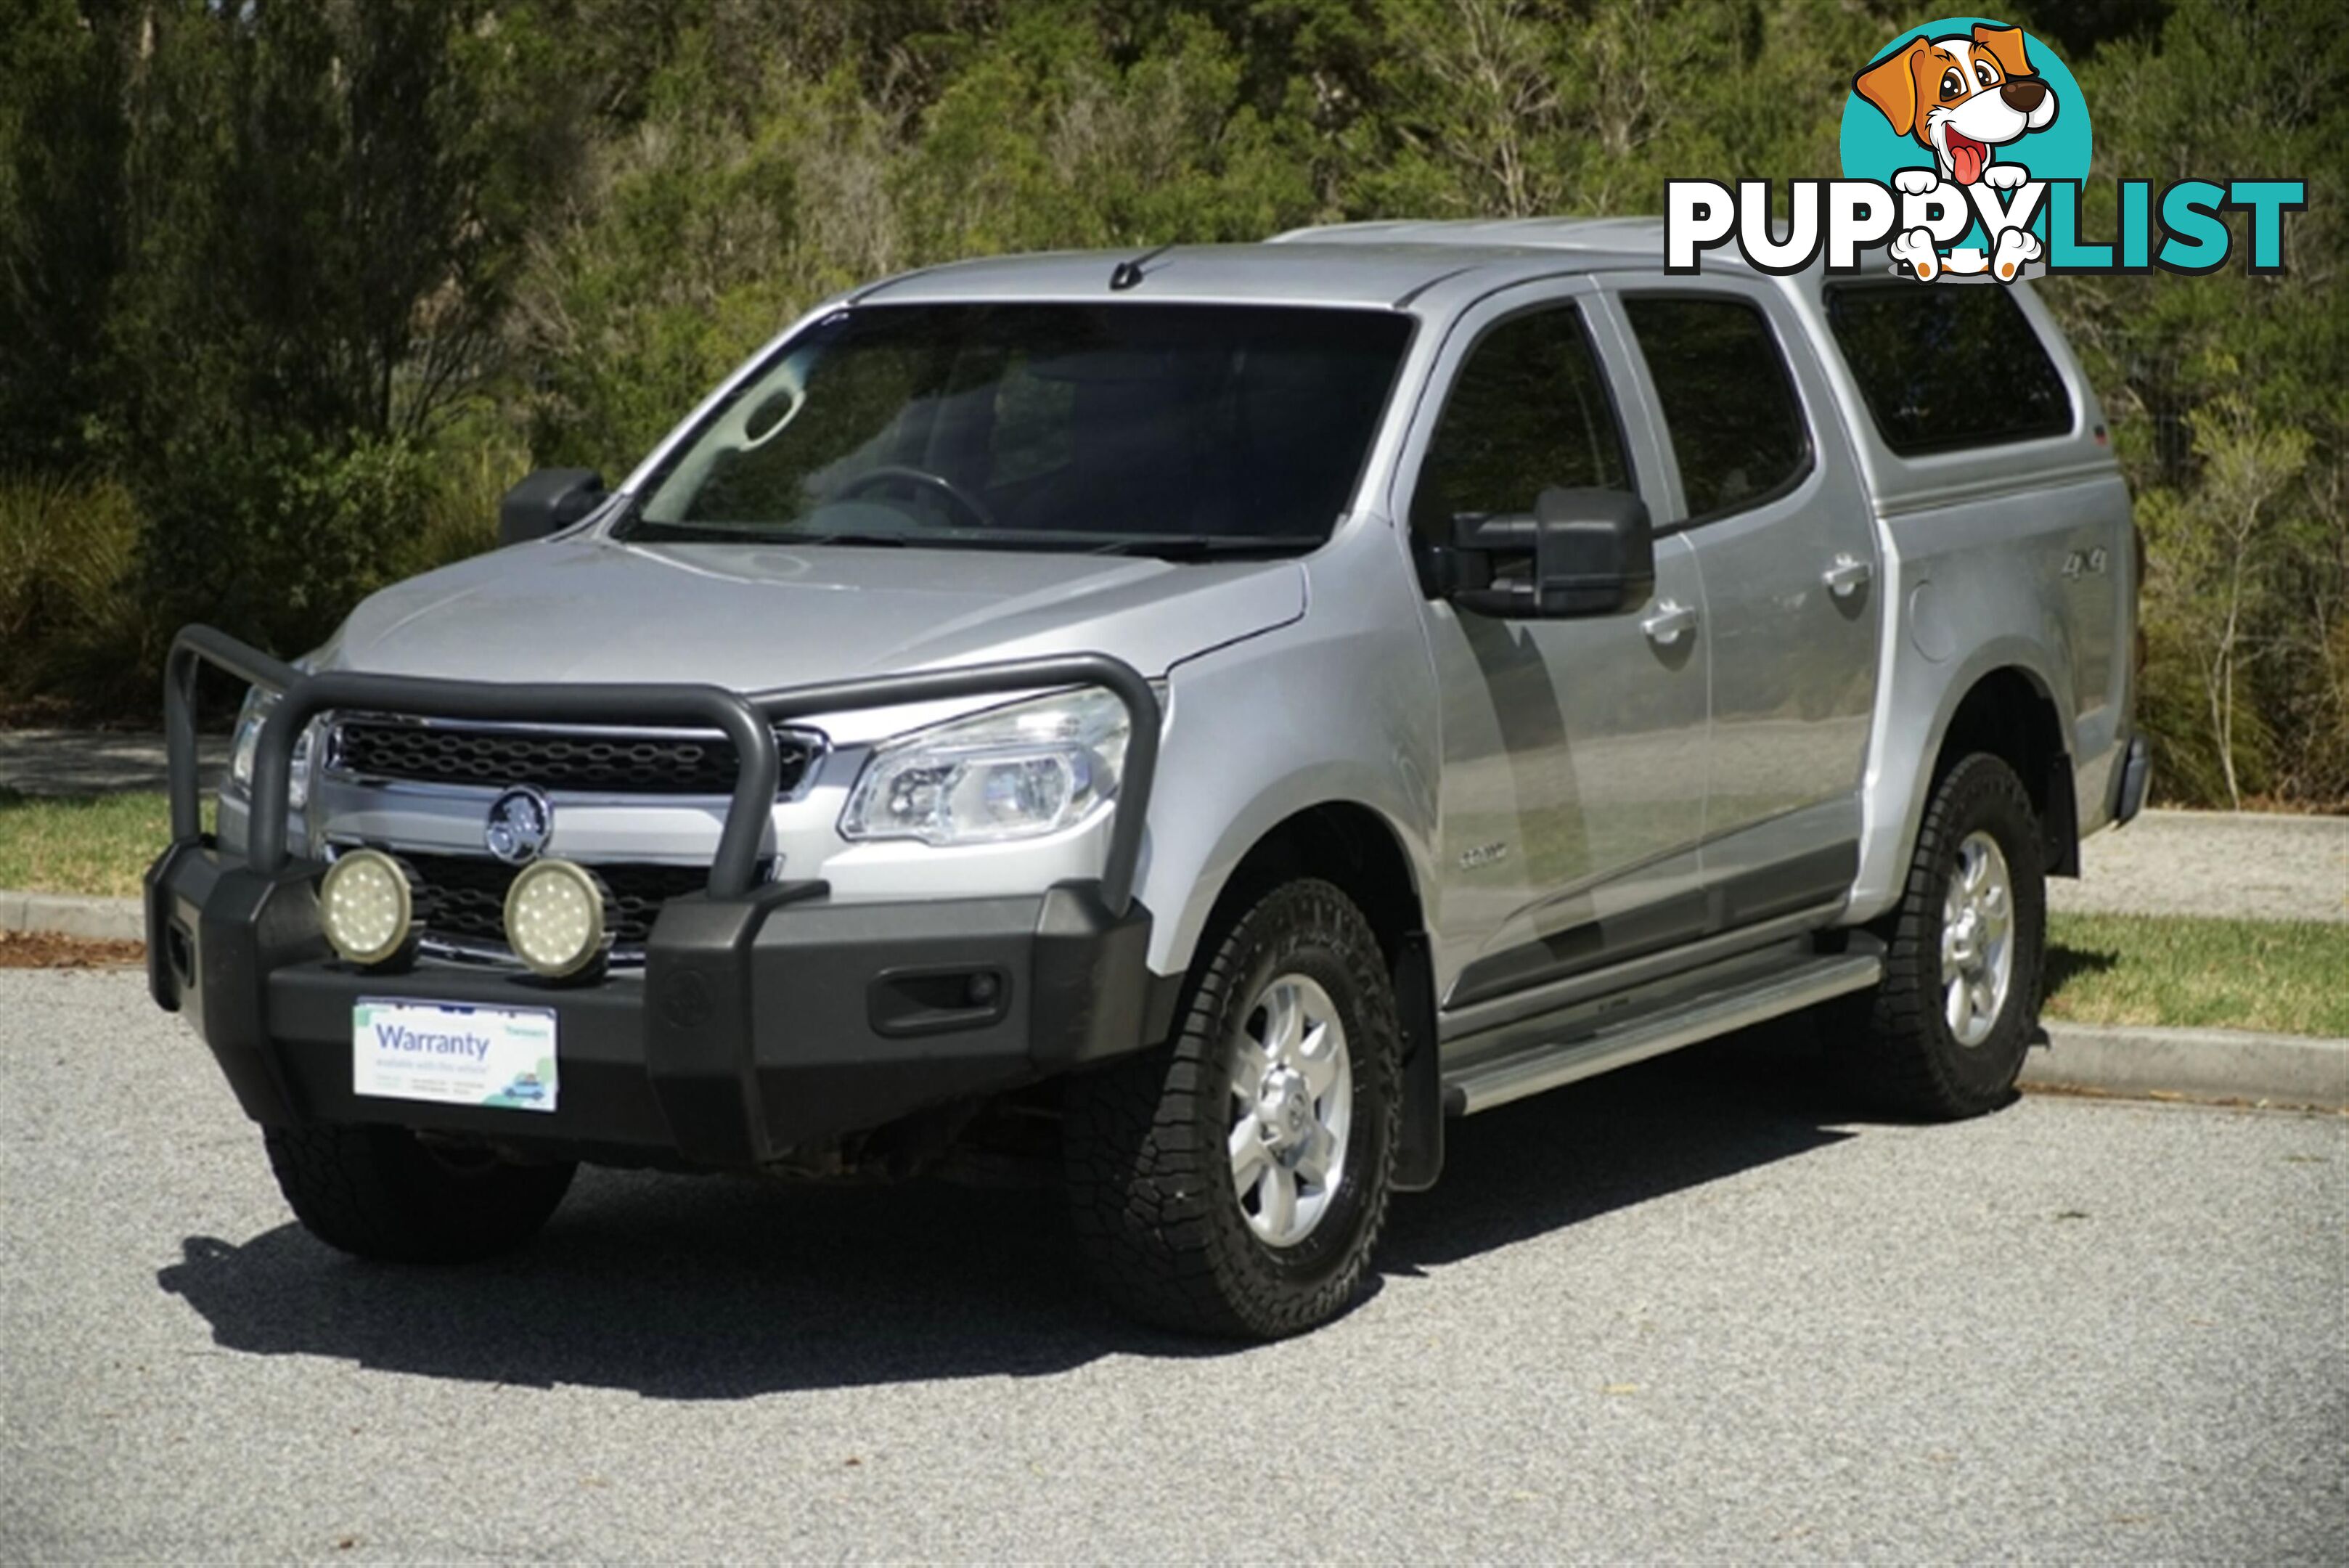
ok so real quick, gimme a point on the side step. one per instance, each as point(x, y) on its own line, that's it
point(1512, 1075)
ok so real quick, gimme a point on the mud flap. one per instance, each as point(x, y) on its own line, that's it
point(1419, 1158)
point(2059, 825)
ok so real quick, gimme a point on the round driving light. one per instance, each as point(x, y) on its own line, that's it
point(365, 907)
point(554, 916)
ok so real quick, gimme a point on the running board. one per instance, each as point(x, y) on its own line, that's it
point(1481, 1085)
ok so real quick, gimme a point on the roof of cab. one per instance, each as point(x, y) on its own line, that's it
point(1600, 242)
point(1373, 265)
point(1596, 245)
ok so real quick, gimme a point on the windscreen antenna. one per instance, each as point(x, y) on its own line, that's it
point(1126, 274)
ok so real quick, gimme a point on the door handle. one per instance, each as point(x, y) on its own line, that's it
point(1844, 578)
point(1670, 623)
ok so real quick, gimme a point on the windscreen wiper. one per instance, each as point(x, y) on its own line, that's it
point(712, 533)
point(1210, 547)
point(850, 536)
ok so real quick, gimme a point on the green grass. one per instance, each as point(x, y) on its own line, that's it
point(81, 843)
point(2290, 976)
point(2184, 972)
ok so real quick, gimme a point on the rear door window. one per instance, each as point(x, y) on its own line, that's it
point(1945, 367)
point(1727, 399)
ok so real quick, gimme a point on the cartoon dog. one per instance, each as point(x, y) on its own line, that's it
point(1961, 98)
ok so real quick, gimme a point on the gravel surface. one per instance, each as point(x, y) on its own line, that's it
point(2238, 865)
point(1687, 1312)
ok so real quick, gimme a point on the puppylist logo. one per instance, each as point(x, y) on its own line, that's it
point(1965, 146)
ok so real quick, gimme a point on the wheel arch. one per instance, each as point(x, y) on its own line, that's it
point(2002, 700)
point(1342, 842)
point(2010, 713)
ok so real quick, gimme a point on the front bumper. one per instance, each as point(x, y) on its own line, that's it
point(767, 1016)
point(759, 1024)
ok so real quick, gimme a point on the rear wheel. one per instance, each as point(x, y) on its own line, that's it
point(1945, 1033)
point(383, 1192)
point(1238, 1183)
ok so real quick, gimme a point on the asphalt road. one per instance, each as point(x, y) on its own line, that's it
point(1690, 1312)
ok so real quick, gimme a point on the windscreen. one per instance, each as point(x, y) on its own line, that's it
point(1178, 428)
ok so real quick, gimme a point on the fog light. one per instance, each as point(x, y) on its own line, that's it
point(554, 916)
point(365, 906)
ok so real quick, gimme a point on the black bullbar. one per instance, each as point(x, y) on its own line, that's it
point(766, 1015)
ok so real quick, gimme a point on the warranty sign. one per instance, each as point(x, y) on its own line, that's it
point(454, 1055)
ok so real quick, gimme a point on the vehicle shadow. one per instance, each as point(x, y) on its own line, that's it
point(692, 1288)
point(2065, 965)
point(1556, 1159)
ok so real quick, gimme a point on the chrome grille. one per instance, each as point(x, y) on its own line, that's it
point(462, 898)
point(612, 761)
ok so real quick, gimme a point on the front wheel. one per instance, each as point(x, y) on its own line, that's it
point(1238, 1183)
point(1945, 1033)
point(383, 1192)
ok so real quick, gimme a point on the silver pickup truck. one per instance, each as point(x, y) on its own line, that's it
point(1208, 718)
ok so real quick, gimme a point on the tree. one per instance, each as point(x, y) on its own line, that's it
point(2220, 554)
point(61, 218)
point(324, 205)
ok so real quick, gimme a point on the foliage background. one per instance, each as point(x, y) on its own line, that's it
point(290, 290)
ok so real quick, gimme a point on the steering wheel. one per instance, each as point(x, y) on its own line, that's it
point(898, 472)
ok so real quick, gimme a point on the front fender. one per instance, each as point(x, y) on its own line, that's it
point(1261, 730)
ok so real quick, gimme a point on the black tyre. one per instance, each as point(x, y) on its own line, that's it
point(383, 1192)
point(1944, 1035)
point(1236, 1184)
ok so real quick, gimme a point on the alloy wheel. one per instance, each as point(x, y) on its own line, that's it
point(1292, 1110)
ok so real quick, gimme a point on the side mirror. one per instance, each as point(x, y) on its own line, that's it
point(1578, 552)
point(549, 500)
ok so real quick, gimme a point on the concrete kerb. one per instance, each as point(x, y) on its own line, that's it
point(2193, 1064)
point(69, 915)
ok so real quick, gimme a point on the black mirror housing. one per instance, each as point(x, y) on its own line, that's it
point(548, 502)
point(1578, 552)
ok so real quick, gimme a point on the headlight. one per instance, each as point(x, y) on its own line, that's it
point(258, 705)
point(1019, 771)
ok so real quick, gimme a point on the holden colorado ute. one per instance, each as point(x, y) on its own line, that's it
point(1212, 718)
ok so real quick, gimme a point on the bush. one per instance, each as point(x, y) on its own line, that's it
point(278, 540)
point(77, 639)
point(91, 590)
point(468, 473)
